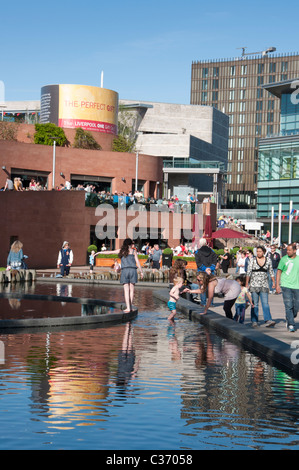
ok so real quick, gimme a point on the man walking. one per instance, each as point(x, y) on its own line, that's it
point(156, 257)
point(275, 258)
point(287, 281)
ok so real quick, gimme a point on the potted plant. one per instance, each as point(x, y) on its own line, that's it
point(167, 257)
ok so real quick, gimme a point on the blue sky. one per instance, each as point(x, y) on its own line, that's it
point(144, 48)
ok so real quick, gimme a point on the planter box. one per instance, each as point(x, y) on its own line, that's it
point(106, 262)
point(191, 265)
point(109, 262)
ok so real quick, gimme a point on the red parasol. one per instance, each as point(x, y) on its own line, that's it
point(208, 231)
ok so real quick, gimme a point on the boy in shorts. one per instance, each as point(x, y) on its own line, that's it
point(174, 295)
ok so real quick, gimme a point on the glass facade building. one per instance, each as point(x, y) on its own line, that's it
point(278, 170)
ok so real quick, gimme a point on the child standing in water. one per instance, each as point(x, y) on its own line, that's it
point(174, 295)
point(129, 265)
point(241, 300)
point(92, 256)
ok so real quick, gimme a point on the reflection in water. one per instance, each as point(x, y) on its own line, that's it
point(20, 308)
point(166, 386)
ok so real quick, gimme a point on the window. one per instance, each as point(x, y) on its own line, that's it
point(260, 68)
point(260, 81)
point(259, 105)
point(242, 94)
point(258, 130)
point(204, 85)
point(215, 71)
point(205, 72)
point(284, 66)
point(215, 96)
point(243, 82)
point(232, 83)
point(232, 94)
point(260, 93)
point(243, 69)
point(272, 67)
point(271, 78)
point(233, 70)
point(204, 96)
point(215, 84)
point(270, 105)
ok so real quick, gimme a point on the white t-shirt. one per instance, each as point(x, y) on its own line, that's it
point(241, 264)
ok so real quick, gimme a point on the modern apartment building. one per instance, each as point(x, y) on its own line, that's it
point(235, 87)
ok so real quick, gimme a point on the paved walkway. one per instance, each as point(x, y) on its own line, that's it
point(279, 331)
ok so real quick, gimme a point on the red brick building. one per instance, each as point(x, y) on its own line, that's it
point(42, 220)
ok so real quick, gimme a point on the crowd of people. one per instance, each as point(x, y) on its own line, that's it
point(268, 269)
point(94, 196)
point(263, 270)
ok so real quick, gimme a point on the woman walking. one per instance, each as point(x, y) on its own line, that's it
point(225, 260)
point(257, 280)
point(128, 275)
point(231, 289)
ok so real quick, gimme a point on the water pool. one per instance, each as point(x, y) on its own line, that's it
point(143, 385)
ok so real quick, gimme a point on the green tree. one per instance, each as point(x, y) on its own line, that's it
point(84, 140)
point(121, 144)
point(45, 134)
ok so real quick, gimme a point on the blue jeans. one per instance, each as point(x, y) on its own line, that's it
point(203, 299)
point(240, 312)
point(265, 305)
point(193, 286)
point(291, 304)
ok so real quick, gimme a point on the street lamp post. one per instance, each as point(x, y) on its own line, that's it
point(54, 161)
point(137, 162)
point(136, 175)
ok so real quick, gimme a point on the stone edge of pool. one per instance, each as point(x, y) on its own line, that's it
point(115, 317)
point(273, 351)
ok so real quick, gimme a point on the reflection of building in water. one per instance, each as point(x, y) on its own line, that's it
point(225, 378)
point(90, 309)
point(72, 373)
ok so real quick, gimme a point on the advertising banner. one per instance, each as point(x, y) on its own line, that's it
point(73, 106)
